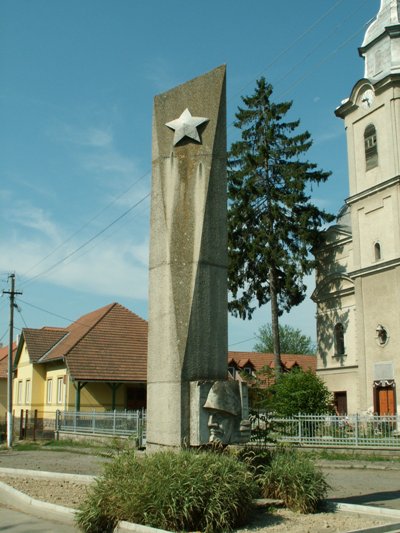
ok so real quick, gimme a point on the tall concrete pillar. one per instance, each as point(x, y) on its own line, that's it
point(188, 254)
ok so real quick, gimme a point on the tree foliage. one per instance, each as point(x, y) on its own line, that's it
point(273, 224)
point(302, 392)
point(292, 340)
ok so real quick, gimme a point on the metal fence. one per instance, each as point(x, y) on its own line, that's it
point(118, 423)
point(321, 430)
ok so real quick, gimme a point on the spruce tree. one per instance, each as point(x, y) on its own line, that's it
point(273, 225)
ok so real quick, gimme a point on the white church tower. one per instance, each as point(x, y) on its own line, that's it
point(358, 281)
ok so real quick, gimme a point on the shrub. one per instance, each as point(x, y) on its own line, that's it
point(172, 491)
point(295, 479)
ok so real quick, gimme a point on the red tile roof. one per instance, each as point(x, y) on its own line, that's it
point(260, 360)
point(4, 360)
point(41, 341)
point(108, 344)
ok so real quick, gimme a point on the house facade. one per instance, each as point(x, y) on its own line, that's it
point(96, 363)
point(358, 276)
point(99, 363)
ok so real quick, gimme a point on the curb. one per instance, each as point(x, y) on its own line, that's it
point(52, 510)
point(18, 472)
point(357, 465)
point(67, 514)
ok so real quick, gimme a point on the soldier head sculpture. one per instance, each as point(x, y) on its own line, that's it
point(224, 406)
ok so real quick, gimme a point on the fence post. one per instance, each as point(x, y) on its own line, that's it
point(300, 428)
point(26, 423)
point(356, 429)
point(94, 422)
point(115, 413)
point(21, 425)
point(34, 424)
point(74, 421)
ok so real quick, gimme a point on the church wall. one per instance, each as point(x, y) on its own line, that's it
point(343, 381)
point(381, 295)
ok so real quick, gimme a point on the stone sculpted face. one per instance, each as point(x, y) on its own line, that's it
point(221, 426)
point(224, 407)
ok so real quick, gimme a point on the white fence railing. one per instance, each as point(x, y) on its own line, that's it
point(118, 423)
point(322, 430)
point(312, 430)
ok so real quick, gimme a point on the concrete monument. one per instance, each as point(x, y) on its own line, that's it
point(188, 261)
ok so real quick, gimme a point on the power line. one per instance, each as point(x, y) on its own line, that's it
point(55, 314)
point(86, 224)
point(55, 265)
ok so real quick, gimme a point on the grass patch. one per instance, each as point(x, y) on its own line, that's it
point(294, 478)
point(185, 491)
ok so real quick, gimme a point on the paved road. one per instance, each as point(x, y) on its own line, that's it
point(364, 484)
point(14, 521)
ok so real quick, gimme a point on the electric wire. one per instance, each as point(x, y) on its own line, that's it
point(55, 265)
point(86, 224)
point(102, 231)
point(70, 320)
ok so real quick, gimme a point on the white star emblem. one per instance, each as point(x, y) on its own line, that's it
point(186, 126)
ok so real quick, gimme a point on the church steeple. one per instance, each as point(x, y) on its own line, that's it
point(381, 45)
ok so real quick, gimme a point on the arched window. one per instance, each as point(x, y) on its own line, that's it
point(371, 147)
point(339, 339)
point(377, 251)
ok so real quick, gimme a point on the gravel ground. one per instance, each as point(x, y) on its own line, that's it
point(71, 493)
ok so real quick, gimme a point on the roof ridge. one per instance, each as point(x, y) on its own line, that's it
point(42, 357)
point(107, 309)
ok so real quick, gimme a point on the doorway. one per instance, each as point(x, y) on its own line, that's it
point(385, 400)
point(340, 401)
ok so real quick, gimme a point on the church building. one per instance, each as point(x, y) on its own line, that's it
point(358, 276)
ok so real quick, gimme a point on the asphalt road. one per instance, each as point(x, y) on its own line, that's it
point(14, 521)
point(364, 483)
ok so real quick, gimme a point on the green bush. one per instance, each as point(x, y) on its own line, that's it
point(294, 478)
point(173, 491)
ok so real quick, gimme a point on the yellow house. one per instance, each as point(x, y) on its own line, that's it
point(96, 363)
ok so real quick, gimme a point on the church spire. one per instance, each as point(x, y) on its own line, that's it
point(381, 45)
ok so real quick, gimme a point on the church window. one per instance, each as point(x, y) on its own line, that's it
point(371, 147)
point(339, 339)
point(377, 251)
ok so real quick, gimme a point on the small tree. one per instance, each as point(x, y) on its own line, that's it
point(300, 392)
point(292, 340)
point(273, 225)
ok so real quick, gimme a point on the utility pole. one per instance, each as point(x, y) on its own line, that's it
point(12, 292)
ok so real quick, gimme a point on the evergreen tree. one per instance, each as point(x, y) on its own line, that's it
point(273, 224)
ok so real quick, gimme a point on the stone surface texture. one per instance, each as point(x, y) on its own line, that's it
point(188, 257)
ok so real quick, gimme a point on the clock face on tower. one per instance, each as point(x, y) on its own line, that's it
point(367, 98)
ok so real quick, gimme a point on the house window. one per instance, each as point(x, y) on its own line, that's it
point(232, 371)
point(247, 370)
point(28, 391)
point(19, 392)
point(60, 390)
point(371, 147)
point(339, 339)
point(49, 390)
point(377, 251)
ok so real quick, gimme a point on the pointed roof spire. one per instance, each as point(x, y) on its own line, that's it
point(388, 15)
point(382, 41)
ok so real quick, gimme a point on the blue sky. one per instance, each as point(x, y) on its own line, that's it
point(78, 79)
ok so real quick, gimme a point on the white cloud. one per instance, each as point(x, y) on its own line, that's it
point(86, 136)
point(34, 218)
point(113, 268)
